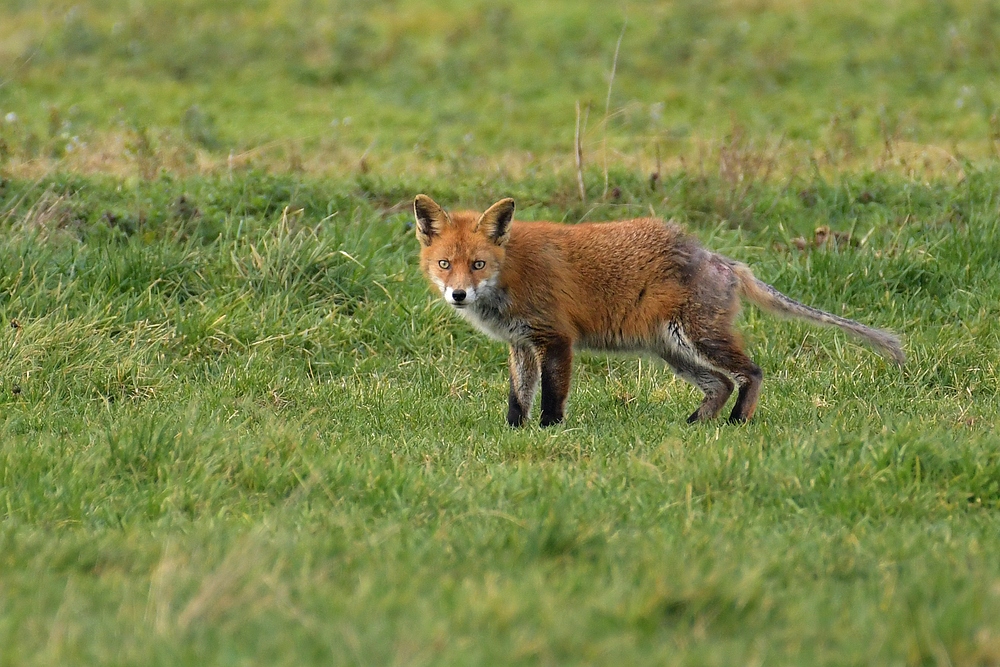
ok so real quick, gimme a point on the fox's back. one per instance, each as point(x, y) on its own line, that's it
point(609, 283)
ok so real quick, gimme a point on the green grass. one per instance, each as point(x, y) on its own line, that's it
point(236, 426)
point(392, 85)
point(239, 427)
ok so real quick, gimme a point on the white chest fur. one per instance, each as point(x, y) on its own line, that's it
point(492, 320)
point(501, 328)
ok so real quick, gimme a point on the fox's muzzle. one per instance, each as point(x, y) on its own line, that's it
point(459, 298)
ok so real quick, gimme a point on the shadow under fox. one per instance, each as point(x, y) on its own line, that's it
point(638, 285)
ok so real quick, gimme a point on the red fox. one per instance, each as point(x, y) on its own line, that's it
point(638, 285)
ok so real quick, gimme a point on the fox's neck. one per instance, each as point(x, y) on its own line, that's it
point(493, 302)
point(491, 314)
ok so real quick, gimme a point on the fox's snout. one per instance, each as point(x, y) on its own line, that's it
point(459, 297)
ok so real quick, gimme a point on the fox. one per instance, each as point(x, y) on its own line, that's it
point(638, 286)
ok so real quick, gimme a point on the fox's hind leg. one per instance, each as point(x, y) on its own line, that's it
point(708, 328)
point(715, 385)
point(726, 353)
point(525, 370)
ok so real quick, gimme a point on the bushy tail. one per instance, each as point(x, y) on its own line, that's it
point(770, 299)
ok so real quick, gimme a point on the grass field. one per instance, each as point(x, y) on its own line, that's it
point(237, 428)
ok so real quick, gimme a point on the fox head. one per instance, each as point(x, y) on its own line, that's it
point(462, 253)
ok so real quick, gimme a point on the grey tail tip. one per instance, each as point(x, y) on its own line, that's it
point(885, 343)
point(893, 351)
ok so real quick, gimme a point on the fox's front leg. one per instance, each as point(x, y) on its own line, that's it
point(557, 368)
point(524, 374)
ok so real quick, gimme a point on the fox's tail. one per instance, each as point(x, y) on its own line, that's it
point(770, 299)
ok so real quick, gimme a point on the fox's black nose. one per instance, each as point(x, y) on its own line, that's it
point(458, 295)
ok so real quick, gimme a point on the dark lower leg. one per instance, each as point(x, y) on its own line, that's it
point(750, 380)
point(715, 385)
point(516, 412)
point(717, 392)
point(557, 368)
point(726, 354)
point(524, 372)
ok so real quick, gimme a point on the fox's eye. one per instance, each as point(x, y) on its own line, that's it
point(478, 265)
point(444, 264)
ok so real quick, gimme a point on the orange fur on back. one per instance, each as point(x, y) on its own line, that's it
point(604, 285)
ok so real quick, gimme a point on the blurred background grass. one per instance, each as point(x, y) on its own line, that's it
point(341, 86)
point(237, 427)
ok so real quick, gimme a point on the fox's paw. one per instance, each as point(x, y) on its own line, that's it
point(515, 420)
point(516, 415)
point(549, 420)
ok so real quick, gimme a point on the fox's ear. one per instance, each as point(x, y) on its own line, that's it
point(495, 223)
point(431, 218)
